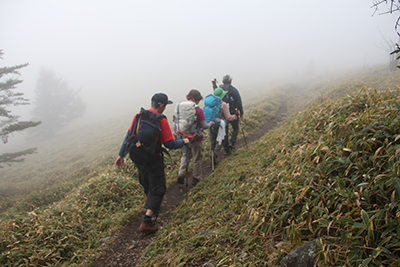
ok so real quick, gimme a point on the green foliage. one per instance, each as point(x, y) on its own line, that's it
point(10, 123)
point(67, 231)
point(60, 165)
point(331, 173)
point(8, 158)
point(72, 229)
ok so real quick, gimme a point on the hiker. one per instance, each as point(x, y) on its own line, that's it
point(235, 107)
point(218, 132)
point(195, 149)
point(151, 174)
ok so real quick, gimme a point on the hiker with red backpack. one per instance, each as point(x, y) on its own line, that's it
point(148, 132)
point(189, 122)
point(215, 109)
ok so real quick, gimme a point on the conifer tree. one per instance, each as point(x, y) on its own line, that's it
point(10, 123)
point(56, 105)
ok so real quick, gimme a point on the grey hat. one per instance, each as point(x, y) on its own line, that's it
point(227, 79)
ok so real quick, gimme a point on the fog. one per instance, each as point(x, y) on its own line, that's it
point(119, 53)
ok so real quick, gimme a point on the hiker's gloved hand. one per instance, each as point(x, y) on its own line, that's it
point(119, 161)
point(237, 113)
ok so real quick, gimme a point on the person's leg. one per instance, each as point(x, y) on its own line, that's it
point(218, 149)
point(197, 152)
point(152, 178)
point(213, 137)
point(213, 147)
point(156, 184)
point(182, 167)
point(226, 140)
point(235, 132)
point(143, 179)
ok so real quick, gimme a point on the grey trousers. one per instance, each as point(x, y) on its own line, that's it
point(195, 151)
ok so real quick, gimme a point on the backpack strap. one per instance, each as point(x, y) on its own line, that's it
point(155, 117)
point(187, 135)
point(179, 131)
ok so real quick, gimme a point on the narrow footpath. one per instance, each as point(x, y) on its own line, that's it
point(126, 248)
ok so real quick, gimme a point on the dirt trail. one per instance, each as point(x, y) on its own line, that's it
point(126, 248)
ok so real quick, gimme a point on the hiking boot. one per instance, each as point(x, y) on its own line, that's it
point(181, 179)
point(195, 181)
point(227, 152)
point(147, 226)
point(231, 146)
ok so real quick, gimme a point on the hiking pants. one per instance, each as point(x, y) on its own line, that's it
point(152, 178)
point(195, 151)
point(235, 132)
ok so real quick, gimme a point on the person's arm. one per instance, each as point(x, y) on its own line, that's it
point(205, 125)
point(202, 119)
point(167, 139)
point(225, 112)
point(238, 101)
point(174, 144)
point(122, 152)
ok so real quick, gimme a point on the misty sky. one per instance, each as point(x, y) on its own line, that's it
point(121, 52)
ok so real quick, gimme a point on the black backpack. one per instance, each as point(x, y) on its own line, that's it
point(142, 143)
point(228, 98)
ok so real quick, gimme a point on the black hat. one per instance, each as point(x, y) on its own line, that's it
point(161, 98)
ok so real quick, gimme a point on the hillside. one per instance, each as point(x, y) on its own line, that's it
point(70, 201)
point(330, 173)
point(327, 173)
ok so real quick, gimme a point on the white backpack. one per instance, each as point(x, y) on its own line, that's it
point(185, 119)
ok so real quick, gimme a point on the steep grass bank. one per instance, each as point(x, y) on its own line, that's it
point(70, 231)
point(61, 164)
point(330, 173)
point(254, 194)
point(73, 157)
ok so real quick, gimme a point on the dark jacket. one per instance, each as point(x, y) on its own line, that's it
point(233, 98)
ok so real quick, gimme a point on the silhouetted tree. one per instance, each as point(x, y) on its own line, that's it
point(393, 7)
point(10, 123)
point(56, 105)
point(389, 47)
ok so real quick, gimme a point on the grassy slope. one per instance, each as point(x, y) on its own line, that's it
point(61, 164)
point(254, 211)
point(92, 200)
point(330, 173)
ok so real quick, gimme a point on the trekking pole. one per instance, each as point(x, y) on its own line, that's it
point(212, 160)
point(212, 152)
point(214, 83)
point(244, 137)
point(187, 168)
